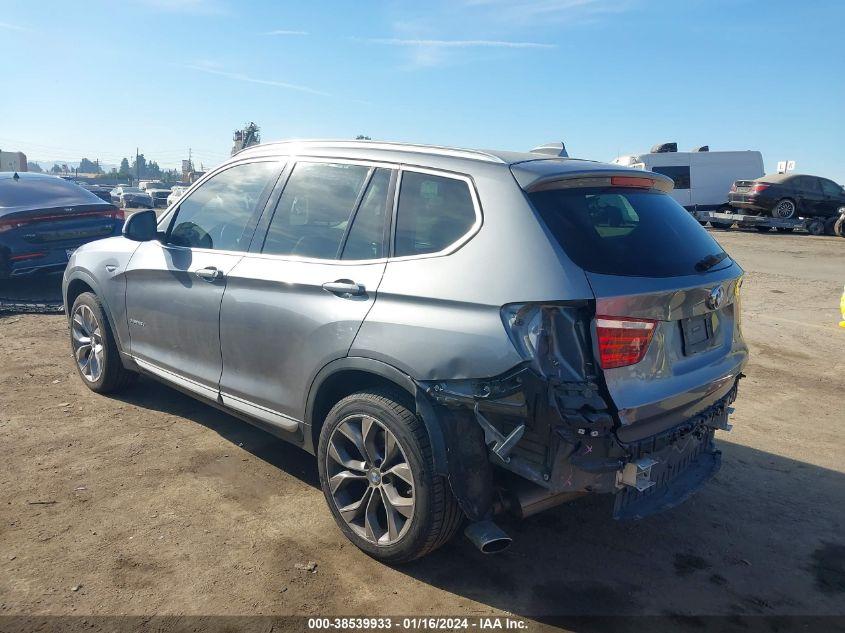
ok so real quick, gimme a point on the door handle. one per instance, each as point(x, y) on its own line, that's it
point(345, 287)
point(210, 273)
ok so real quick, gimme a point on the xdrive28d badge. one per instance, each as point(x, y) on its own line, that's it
point(454, 333)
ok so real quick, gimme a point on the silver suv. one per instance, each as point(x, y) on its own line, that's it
point(454, 333)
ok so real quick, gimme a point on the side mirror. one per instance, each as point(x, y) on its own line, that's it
point(141, 226)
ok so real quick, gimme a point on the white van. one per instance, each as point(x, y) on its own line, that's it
point(702, 178)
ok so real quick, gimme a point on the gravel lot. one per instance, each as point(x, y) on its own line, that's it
point(155, 503)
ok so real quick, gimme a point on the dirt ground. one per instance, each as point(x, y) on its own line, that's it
point(155, 503)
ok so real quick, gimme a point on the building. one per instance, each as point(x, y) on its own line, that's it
point(12, 161)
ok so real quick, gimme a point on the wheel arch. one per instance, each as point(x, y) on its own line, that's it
point(346, 376)
point(79, 282)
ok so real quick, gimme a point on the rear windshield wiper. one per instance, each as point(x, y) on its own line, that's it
point(711, 260)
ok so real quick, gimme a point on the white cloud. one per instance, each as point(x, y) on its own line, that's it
point(423, 43)
point(12, 27)
point(285, 32)
point(213, 69)
point(527, 11)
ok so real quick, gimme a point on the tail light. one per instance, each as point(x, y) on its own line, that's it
point(759, 187)
point(7, 224)
point(631, 181)
point(623, 341)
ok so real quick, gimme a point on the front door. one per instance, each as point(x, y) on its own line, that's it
point(297, 302)
point(174, 286)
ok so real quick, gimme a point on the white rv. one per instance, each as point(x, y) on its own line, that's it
point(702, 178)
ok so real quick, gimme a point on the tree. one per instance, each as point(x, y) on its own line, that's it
point(139, 167)
point(55, 169)
point(361, 137)
point(30, 166)
point(124, 167)
point(89, 167)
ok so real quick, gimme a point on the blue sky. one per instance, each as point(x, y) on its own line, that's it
point(606, 76)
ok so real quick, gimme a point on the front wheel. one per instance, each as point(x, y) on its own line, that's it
point(376, 472)
point(94, 348)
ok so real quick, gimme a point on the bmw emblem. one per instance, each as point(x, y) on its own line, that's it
point(716, 298)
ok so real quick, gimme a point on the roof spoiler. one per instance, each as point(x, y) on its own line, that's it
point(552, 149)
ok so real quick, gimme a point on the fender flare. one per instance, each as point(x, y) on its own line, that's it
point(389, 372)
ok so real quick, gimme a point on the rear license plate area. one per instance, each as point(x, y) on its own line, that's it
point(697, 333)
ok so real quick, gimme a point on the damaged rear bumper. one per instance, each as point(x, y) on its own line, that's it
point(560, 439)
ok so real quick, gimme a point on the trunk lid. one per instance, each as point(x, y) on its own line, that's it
point(695, 354)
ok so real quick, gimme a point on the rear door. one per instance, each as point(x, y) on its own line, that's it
point(296, 301)
point(667, 301)
point(833, 196)
point(174, 286)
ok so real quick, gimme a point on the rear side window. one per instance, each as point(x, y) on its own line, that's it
point(433, 212)
point(314, 210)
point(218, 212)
point(678, 173)
point(830, 188)
point(628, 232)
point(366, 237)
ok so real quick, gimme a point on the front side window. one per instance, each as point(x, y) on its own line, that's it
point(433, 213)
point(830, 188)
point(678, 173)
point(314, 210)
point(217, 214)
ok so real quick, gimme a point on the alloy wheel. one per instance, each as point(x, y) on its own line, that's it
point(370, 480)
point(87, 343)
point(785, 209)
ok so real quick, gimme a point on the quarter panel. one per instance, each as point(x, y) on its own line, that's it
point(439, 316)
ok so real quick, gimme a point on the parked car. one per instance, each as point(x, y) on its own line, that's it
point(44, 218)
point(126, 197)
point(452, 332)
point(145, 185)
point(175, 193)
point(701, 177)
point(158, 195)
point(101, 191)
point(788, 196)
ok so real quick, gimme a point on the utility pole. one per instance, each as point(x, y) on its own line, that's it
point(137, 168)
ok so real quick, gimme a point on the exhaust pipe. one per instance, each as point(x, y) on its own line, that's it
point(487, 537)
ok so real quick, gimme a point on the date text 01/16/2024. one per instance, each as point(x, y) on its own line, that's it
point(418, 623)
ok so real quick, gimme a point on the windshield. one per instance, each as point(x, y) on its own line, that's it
point(631, 232)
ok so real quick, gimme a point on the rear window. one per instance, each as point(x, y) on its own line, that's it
point(43, 193)
point(628, 232)
point(678, 173)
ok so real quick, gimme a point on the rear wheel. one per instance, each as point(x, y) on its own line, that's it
point(815, 227)
point(784, 209)
point(376, 471)
point(94, 349)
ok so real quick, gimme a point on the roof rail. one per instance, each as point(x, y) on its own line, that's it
point(453, 152)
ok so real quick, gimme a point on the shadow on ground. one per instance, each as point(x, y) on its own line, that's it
point(763, 539)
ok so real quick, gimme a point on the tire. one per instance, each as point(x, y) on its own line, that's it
point(784, 209)
point(785, 229)
point(763, 229)
point(434, 514)
point(88, 321)
point(815, 227)
point(839, 226)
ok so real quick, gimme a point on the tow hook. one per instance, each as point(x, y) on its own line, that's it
point(636, 474)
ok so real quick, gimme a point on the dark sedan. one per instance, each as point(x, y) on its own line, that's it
point(101, 191)
point(787, 196)
point(43, 219)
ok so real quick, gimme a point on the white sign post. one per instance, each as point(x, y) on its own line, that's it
point(790, 165)
point(781, 166)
